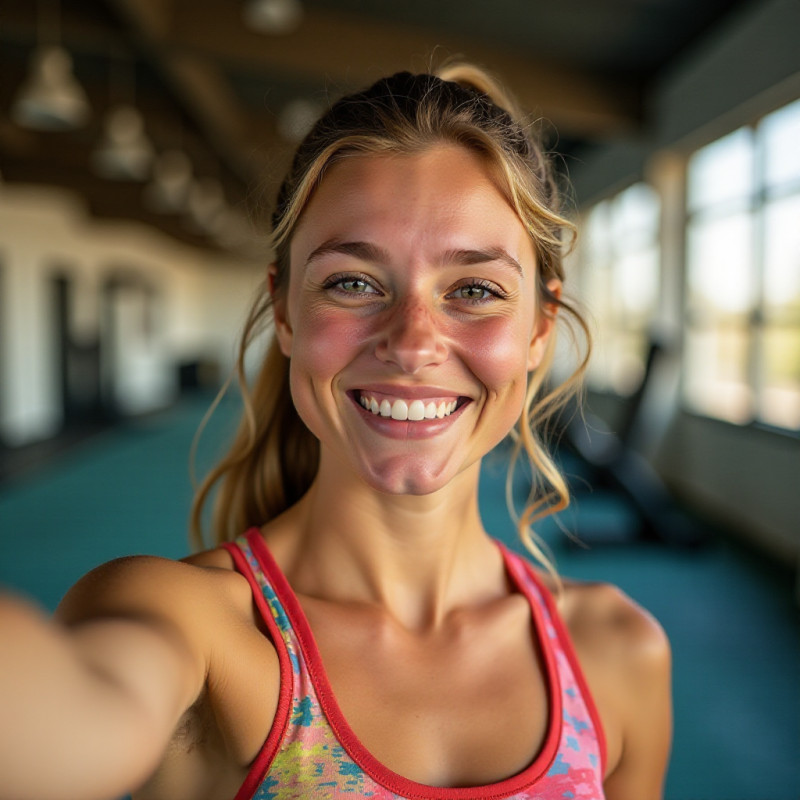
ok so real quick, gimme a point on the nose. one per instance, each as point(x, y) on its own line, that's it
point(412, 339)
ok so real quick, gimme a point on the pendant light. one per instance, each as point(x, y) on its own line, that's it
point(124, 153)
point(50, 99)
point(277, 17)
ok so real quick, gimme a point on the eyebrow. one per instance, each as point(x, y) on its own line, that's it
point(363, 251)
point(366, 251)
point(467, 257)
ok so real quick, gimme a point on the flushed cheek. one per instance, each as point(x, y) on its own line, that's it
point(496, 352)
point(326, 341)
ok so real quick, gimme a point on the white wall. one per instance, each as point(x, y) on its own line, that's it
point(748, 477)
point(200, 303)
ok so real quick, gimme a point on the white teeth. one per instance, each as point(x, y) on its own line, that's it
point(399, 410)
point(414, 410)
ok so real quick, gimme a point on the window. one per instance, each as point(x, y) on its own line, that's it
point(742, 346)
point(619, 281)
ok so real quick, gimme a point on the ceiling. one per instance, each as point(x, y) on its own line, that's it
point(208, 84)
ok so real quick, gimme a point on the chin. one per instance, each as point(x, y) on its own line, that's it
point(408, 479)
point(412, 487)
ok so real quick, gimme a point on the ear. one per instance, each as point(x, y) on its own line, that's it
point(546, 320)
point(283, 330)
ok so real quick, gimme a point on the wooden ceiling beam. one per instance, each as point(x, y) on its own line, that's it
point(346, 52)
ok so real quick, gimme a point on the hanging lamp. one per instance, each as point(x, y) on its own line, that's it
point(50, 99)
point(277, 17)
point(125, 153)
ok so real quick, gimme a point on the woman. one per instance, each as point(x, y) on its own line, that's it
point(363, 635)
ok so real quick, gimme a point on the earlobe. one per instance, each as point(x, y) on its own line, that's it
point(546, 313)
point(283, 330)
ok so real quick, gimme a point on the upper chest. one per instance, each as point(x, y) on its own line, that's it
point(466, 704)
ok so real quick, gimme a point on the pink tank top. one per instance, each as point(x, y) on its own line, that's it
point(311, 751)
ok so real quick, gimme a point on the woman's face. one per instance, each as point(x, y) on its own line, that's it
point(410, 317)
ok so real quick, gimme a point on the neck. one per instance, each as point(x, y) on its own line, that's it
point(417, 557)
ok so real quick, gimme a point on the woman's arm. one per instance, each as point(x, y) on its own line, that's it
point(644, 710)
point(89, 703)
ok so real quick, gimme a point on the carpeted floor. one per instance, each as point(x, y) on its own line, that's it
point(730, 615)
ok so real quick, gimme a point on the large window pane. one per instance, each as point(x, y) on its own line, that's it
point(723, 171)
point(720, 265)
point(716, 379)
point(782, 257)
point(637, 285)
point(779, 364)
point(620, 277)
point(742, 357)
point(781, 138)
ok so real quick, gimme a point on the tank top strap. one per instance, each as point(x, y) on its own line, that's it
point(297, 703)
point(269, 603)
point(583, 735)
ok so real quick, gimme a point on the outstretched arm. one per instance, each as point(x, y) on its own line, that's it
point(88, 706)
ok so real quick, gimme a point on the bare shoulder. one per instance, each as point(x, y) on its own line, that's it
point(625, 656)
point(607, 624)
point(144, 585)
point(200, 602)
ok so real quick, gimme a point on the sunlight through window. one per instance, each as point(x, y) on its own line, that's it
point(742, 345)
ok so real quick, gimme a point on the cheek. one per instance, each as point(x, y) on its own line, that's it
point(325, 339)
point(498, 351)
point(322, 346)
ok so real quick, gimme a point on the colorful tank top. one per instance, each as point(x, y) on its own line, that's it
point(311, 751)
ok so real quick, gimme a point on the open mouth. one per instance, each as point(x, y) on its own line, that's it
point(402, 409)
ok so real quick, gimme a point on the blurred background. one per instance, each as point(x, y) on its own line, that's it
point(141, 146)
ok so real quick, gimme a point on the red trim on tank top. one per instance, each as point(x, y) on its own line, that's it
point(569, 650)
point(350, 741)
point(260, 766)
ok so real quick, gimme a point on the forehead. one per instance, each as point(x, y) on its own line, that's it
point(443, 197)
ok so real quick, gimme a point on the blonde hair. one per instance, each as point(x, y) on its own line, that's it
point(274, 457)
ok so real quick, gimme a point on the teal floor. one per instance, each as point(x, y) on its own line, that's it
point(730, 615)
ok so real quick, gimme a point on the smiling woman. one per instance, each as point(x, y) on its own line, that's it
point(423, 118)
point(388, 312)
point(355, 631)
